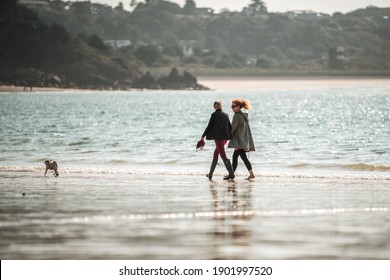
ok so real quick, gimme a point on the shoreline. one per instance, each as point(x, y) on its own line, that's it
point(274, 73)
point(12, 88)
point(290, 83)
point(296, 75)
point(228, 81)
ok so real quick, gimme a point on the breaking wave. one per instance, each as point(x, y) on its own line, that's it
point(364, 174)
point(352, 166)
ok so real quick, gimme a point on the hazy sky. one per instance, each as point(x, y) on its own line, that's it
point(325, 6)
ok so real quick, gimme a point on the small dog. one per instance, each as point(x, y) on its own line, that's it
point(51, 165)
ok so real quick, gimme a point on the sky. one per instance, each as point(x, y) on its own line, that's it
point(323, 6)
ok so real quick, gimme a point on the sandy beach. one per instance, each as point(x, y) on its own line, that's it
point(10, 88)
point(87, 216)
point(289, 83)
point(249, 83)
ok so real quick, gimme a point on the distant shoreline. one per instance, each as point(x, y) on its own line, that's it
point(290, 83)
point(11, 88)
point(272, 73)
point(226, 81)
point(292, 75)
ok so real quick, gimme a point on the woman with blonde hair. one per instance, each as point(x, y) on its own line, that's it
point(219, 130)
point(242, 141)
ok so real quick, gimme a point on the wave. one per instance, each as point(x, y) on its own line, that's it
point(352, 166)
point(79, 143)
point(327, 175)
point(367, 167)
point(195, 215)
point(117, 161)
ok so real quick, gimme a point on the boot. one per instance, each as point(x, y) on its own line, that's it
point(251, 175)
point(229, 168)
point(212, 168)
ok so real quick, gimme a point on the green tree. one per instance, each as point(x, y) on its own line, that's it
point(189, 7)
point(133, 4)
point(148, 54)
point(97, 43)
point(119, 7)
point(274, 52)
point(81, 8)
point(7, 7)
point(258, 6)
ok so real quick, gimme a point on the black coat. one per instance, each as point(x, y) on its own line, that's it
point(219, 127)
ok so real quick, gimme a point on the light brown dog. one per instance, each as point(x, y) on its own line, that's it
point(51, 165)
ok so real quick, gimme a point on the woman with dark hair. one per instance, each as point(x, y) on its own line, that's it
point(242, 141)
point(219, 130)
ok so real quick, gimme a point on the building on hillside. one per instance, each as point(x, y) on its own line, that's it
point(251, 61)
point(187, 47)
point(336, 58)
point(35, 4)
point(306, 15)
point(204, 11)
point(116, 44)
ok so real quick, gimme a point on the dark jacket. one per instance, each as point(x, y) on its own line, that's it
point(219, 127)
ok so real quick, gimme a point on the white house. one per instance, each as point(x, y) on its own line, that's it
point(116, 44)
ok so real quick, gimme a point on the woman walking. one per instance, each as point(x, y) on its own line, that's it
point(242, 141)
point(219, 130)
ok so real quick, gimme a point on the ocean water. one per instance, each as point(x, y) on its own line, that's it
point(133, 186)
point(325, 132)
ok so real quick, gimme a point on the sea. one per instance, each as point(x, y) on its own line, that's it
point(132, 184)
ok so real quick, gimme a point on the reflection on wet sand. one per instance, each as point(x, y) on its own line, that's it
point(232, 232)
point(186, 217)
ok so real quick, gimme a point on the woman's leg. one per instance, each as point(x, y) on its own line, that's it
point(216, 154)
point(245, 159)
point(220, 149)
point(216, 151)
point(235, 159)
point(220, 144)
point(247, 164)
point(213, 163)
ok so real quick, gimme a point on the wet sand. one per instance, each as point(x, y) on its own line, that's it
point(127, 216)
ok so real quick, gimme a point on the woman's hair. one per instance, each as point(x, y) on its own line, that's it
point(217, 104)
point(243, 103)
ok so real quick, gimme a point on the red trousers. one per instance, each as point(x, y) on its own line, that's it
point(220, 150)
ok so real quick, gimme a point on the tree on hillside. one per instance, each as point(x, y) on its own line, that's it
point(148, 54)
point(254, 32)
point(189, 7)
point(258, 6)
point(38, 54)
point(153, 2)
point(119, 7)
point(7, 6)
point(133, 4)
